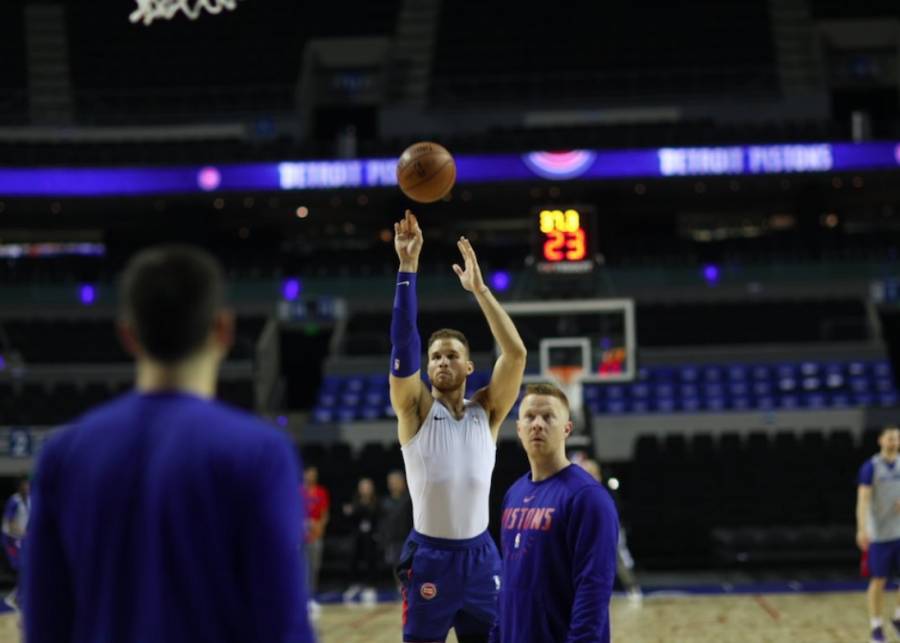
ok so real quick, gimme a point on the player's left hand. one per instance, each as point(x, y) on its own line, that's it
point(470, 278)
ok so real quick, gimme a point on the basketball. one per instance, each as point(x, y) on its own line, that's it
point(426, 172)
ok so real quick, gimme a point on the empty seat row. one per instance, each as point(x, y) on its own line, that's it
point(667, 389)
point(41, 404)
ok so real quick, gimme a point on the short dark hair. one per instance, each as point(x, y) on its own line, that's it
point(171, 295)
point(448, 333)
point(546, 388)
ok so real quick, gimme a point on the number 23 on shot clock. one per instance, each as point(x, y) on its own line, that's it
point(564, 239)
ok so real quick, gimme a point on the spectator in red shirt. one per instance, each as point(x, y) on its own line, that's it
point(317, 506)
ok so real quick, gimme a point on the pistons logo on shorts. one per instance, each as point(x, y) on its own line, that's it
point(428, 591)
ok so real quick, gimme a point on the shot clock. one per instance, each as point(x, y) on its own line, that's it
point(564, 239)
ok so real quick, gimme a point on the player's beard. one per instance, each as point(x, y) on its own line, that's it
point(447, 384)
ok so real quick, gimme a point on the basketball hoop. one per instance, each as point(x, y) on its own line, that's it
point(149, 10)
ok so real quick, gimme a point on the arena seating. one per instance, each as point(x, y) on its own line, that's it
point(486, 53)
point(242, 62)
point(836, 9)
point(13, 80)
point(53, 403)
point(744, 500)
point(664, 325)
point(89, 341)
point(505, 139)
point(738, 387)
point(667, 389)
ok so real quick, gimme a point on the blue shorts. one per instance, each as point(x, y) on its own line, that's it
point(884, 559)
point(448, 583)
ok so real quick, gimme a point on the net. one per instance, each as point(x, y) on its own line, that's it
point(565, 374)
point(149, 10)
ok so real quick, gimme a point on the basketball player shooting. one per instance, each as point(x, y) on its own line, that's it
point(450, 566)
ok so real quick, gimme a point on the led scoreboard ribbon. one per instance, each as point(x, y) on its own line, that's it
point(584, 165)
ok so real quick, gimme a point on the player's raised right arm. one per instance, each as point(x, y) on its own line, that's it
point(406, 386)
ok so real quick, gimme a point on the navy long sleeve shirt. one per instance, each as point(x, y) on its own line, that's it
point(558, 539)
point(165, 517)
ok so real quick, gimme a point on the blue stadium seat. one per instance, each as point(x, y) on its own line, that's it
point(322, 415)
point(332, 383)
point(810, 369)
point(737, 372)
point(616, 407)
point(856, 369)
point(640, 391)
point(689, 390)
point(761, 372)
point(666, 391)
point(371, 413)
point(888, 399)
point(815, 401)
point(377, 382)
point(350, 399)
point(738, 388)
point(789, 402)
point(835, 380)
point(375, 398)
point(881, 369)
point(713, 390)
point(787, 384)
point(839, 400)
point(640, 406)
point(786, 371)
point(664, 374)
point(354, 384)
point(863, 399)
point(665, 405)
point(811, 383)
point(761, 388)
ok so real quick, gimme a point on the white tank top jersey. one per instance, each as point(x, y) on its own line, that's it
point(449, 463)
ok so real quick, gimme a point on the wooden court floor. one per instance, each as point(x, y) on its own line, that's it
point(770, 618)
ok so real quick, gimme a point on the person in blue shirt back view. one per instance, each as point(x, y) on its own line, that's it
point(558, 532)
point(164, 515)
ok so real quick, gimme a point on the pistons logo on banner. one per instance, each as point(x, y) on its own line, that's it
point(569, 164)
point(428, 591)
